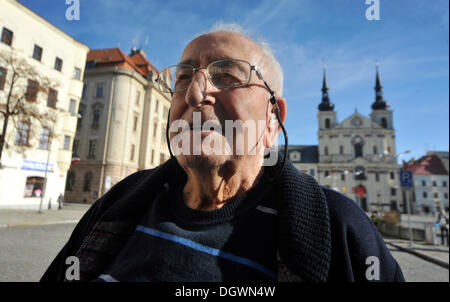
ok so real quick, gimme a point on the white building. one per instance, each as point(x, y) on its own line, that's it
point(55, 55)
point(431, 183)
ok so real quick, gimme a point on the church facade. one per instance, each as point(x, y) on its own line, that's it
point(356, 156)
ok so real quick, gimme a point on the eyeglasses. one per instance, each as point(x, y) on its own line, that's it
point(226, 73)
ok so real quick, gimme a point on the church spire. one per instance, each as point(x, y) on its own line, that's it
point(325, 105)
point(379, 103)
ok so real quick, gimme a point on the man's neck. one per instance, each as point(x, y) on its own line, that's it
point(212, 189)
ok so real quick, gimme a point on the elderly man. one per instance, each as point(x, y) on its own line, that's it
point(223, 216)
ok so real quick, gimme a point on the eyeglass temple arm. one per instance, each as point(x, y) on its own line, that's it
point(273, 100)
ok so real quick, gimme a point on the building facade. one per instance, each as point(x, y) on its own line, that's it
point(57, 56)
point(356, 156)
point(122, 125)
point(431, 182)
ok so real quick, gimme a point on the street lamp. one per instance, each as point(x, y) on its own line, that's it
point(44, 189)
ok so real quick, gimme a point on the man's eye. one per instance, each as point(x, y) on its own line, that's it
point(226, 79)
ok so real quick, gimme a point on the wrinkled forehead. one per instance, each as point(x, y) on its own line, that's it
point(221, 45)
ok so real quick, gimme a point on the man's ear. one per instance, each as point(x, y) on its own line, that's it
point(273, 128)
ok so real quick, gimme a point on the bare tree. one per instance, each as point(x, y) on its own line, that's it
point(28, 97)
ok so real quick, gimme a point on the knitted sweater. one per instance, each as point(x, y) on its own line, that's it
point(323, 236)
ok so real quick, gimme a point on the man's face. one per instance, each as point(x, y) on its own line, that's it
point(249, 103)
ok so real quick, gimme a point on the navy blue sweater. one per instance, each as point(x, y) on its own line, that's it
point(321, 234)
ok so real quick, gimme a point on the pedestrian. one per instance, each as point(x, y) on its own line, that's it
point(222, 215)
point(60, 201)
point(443, 224)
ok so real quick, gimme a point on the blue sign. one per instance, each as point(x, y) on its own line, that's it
point(406, 179)
point(36, 166)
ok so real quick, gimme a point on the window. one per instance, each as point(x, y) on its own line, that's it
point(87, 182)
point(81, 110)
point(52, 98)
point(99, 92)
point(343, 177)
point(32, 90)
point(58, 64)
point(66, 142)
point(75, 148)
point(389, 150)
point(34, 186)
point(162, 158)
point(152, 158)
point(132, 153)
point(383, 122)
point(311, 172)
point(424, 183)
point(327, 123)
point(44, 139)
point(436, 195)
point(341, 150)
point(163, 135)
point(84, 94)
point(444, 184)
point(2, 78)
point(77, 73)
point(135, 123)
point(7, 36)
point(326, 150)
point(23, 132)
point(70, 182)
point(96, 117)
point(138, 96)
point(37, 52)
point(377, 177)
point(156, 106)
point(434, 183)
point(392, 175)
point(375, 150)
point(155, 128)
point(393, 191)
point(358, 150)
point(92, 146)
point(425, 195)
point(445, 195)
point(327, 173)
point(72, 105)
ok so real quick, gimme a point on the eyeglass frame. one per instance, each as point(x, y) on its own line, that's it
point(195, 69)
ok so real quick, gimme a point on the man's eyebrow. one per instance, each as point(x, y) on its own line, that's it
point(190, 62)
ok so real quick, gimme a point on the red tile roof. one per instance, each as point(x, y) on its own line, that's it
point(427, 165)
point(116, 57)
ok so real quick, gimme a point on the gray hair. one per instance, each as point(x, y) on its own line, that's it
point(273, 63)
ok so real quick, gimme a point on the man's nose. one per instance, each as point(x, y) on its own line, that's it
point(197, 93)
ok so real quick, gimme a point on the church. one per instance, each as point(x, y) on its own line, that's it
point(356, 156)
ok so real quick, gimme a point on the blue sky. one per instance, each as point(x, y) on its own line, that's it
point(411, 42)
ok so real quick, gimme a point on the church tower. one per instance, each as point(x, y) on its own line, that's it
point(380, 112)
point(326, 115)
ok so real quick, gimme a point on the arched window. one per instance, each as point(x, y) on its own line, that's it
point(70, 182)
point(327, 123)
point(87, 182)
point(384, 122)
point(358, 150)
